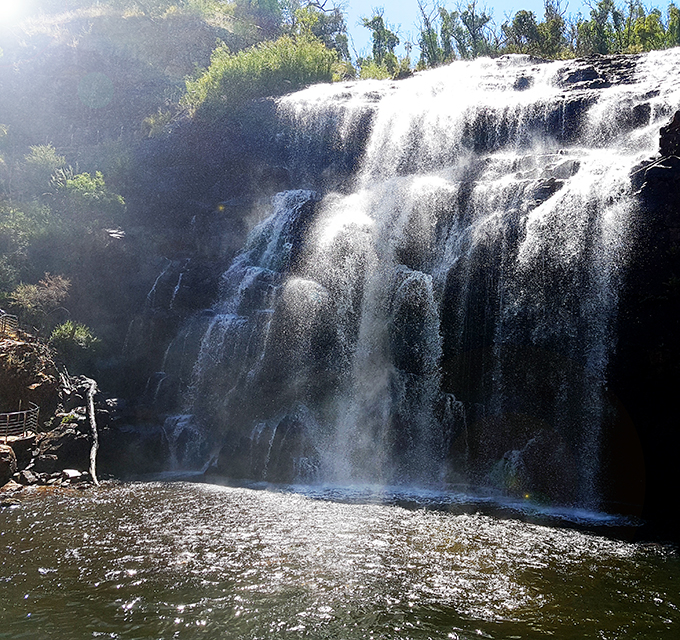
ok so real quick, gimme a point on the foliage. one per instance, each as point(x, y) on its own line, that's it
point(155, 124)
point(258, 20)
point(383, 63)
point(546, 39)
point(38, 168)
point(609, 28)
point(369, 68)
point(384, 40)
point(343, 70)
point(75, 342)
point(473, 38)
point(85, 201)
point(20, 226)
point(446, 35)
point(268, 69)
point(313, 19)
point(34, 302)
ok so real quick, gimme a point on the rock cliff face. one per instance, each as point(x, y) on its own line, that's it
point(258, 369)
point(58, 451)
point(442, 293)
point(646, 371)
point(28, 374)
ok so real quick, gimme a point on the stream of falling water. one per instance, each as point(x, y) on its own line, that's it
point(146, 561)
point(473, 259)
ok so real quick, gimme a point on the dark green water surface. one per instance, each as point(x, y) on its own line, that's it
point(183, 560)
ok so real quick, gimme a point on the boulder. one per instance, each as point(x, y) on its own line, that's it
point(23, 450)
point(8, 463)
point(26, 477)
point(67, 446)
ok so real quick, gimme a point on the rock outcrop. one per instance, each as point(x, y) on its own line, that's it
point(8, 463)
point(646, 367)
point(669, 140)
point(29, 373)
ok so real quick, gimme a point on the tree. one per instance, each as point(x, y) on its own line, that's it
point(84, 200)
point(597, 35)
point(451, 32)
point(265, 16)
point(649, 31)
point(383, 63)
point(38, 168)
point(431, 53)
point(552, 30)
point(327, 24)
point(522, 34)
point(472, 40)
point(384, 40)
point(673, 28)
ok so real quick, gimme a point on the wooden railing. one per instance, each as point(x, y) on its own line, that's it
point(19, 423)
point(9, 326)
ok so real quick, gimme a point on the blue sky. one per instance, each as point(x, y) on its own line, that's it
point(404, 14)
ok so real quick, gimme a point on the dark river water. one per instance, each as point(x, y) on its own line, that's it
point(188, 560)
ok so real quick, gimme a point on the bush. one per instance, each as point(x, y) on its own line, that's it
point(38, 168)
point(371, 69)
point(85, 200)
point(268, 69)
point(73, 336)
point(75, 343)
point(155, 124)
point(34, 302)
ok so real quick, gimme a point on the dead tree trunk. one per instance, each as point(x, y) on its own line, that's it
point(93, 427)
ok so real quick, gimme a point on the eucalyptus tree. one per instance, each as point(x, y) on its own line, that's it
point(474, 39)
point(321, 19)
point(384, 39)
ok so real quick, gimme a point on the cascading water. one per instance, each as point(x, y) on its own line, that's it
point(448, 312)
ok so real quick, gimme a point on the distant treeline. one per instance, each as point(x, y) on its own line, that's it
point(609, 28)
point(291, 59)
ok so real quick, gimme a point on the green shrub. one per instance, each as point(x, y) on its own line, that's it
point(34, 302)
point(38, 168)
point(155, 125)
point(268, 69)
point(19, 227)
point(75, 343)
point(371, 69)
point(85, 201)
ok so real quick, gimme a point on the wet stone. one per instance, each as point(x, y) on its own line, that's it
point(27, 477)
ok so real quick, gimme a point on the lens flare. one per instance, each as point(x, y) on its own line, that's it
point(10, 9)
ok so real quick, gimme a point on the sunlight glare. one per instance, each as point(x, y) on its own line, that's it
point(10, 9)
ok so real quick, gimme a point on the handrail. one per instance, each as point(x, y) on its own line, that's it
point(19, 423)
point(9, 325)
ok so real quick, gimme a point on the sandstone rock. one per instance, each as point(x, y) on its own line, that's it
point(9, 487)
point(28, 373)
point(8, 463)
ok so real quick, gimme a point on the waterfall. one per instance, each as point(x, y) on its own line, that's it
point(445, 313)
